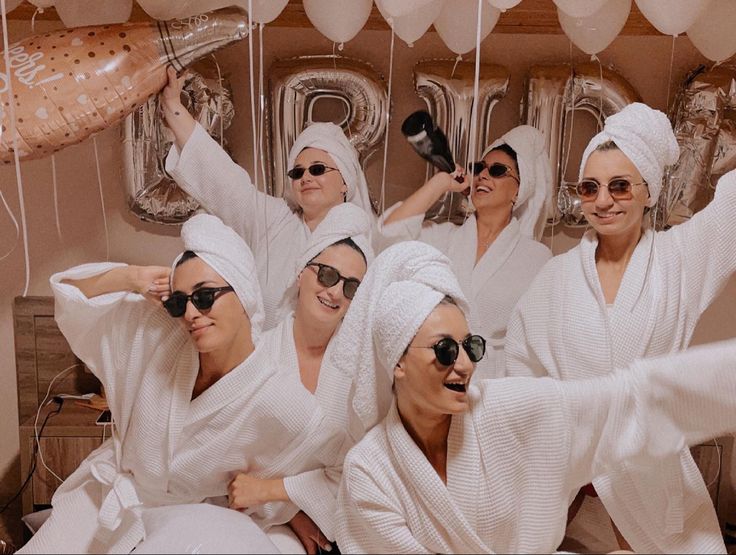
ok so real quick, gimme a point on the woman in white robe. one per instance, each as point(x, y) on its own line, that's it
point(276, 229)
point(489, 468)
point(626, 292)
point(496, 253)
point(192, 399)
point(300, 344)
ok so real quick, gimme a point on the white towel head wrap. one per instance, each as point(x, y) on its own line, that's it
point(228, 255)
point(400, 290)
point(645, 136)
point(535, 177)
point(341, 222)
point(331, 138)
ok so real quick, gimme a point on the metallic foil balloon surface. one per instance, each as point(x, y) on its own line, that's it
point(552, 93)
point(447, 88)
point(706, 143)
point(296, 87)
point(71, 83)
point(152, 195)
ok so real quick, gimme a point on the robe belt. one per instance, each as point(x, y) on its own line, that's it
point(122, 495)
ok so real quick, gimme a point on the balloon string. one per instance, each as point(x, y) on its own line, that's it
point(33, 19)
point(16, 156)
point(102, 199)
point(472, 139)
point(261, 134)
point(56, 195)
point(388, 121)
point(669, 80)
point(600, 93)
point(15, 224)
point(457, 61)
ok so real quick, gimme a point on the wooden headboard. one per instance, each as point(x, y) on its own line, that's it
point(41, 352)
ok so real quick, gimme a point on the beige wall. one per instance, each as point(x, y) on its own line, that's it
point(644, 61)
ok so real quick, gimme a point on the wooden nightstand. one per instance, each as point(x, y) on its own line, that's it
point(66, 441)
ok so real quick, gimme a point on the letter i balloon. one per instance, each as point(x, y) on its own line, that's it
point(71, 83)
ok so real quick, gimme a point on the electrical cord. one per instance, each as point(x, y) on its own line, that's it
point(32, 470)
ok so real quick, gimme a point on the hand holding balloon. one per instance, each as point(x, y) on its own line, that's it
point(429, 141)
point(177, 117)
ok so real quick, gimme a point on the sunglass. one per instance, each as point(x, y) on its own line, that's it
point(496, 169)
point(619, 189)
point(202, 299)
point(447, 349)
point(315, 170)
point(329, 276)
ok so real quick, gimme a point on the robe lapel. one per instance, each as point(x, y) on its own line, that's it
point(495, 257)
point(187, 367)
point(463, 454)
point(454, 529)
point(633, 316)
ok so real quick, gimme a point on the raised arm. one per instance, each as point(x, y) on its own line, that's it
point(204, 170)
point(423, 198)
point(650, 410)
point(101, 310)
point(705, 248)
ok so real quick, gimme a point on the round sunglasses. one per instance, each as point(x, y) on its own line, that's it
point(446, 350)
point(619, 188)
point(315, 170)
point(202, 299)
point(329, 276)
point(495, 170)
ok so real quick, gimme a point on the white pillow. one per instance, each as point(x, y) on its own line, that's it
point(202, 528)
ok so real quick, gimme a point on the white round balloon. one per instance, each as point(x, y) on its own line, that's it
point(458, 20)
point(400, 8)
point(594, 33)
point(338, 20)
point(713, 33)
point(78, 13)
point(673, 16)
point(579, 8)
point(411, 27)
point(504, 5)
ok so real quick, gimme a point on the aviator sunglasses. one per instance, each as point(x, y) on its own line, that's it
point(446, 350)
point(496, 170)
point(202, 299)
point(329, 276)
point(315, 170)
point(619, 188)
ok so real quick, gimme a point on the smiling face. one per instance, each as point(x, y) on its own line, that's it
point(609, 217)
point(317, 194)
point(421, 380)
point(326, 306)
point(496, 193)
point(223, 325)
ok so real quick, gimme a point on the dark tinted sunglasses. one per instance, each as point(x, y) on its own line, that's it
point(202, 299)
point(619, 188)
point(315, 170)
point(446, 350)
point(329, 276)
point(497, 169)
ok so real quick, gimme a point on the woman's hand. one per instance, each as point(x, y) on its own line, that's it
point(455, 182)
point(150, 281)
point(246, 491)
point(309, 534)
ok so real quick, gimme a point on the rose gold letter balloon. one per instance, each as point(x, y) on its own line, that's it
point(71, 83)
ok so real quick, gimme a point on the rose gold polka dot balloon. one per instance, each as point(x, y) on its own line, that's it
point(71, 83)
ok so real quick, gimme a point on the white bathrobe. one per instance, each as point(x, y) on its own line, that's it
point(563, 328)
point(316, 488)
point(275, 233)
point(169, 449)
point(492, 286)
point(525, 444)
